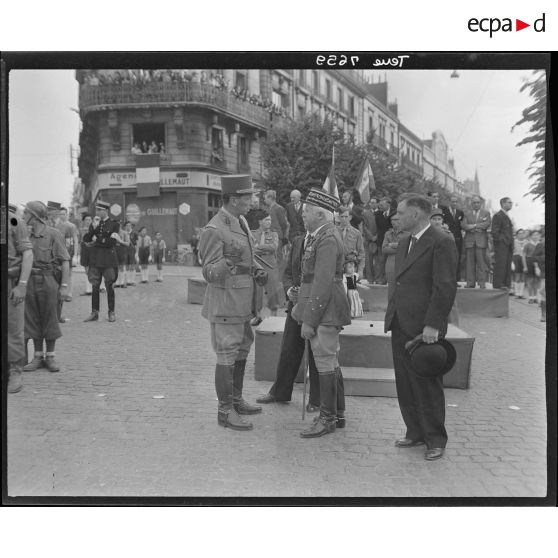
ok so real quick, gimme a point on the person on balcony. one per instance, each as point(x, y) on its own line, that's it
point(136, 149)
point(153, 147)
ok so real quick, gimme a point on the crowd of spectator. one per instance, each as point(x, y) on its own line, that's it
point(143, 147)
point(215, 80)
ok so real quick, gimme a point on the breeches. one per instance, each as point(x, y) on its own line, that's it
point(41, 305)
point(96, 274)
point(231, 342)
point(325, 346)
point(16, 321)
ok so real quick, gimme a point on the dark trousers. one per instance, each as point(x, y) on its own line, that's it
point(421, 400)
point(380, 266)
point(503, 254)
point(459, 246)
point(292, 351)
point(41, 306)
point(95, 276)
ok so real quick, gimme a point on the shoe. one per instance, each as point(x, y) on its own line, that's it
point(231, 419)
point(85, 294)
point(62, 320)
point(434, 453)
point(267, 398)
point(15, 382)
point(131, 284)
point(35, 364)
point(340, 421)
point(406, 443)
point(245, 408)
point(111, 317)
point(256, 321)
point(68, 298)
point(93, 317)
point(123, 287)
point(312, 408)
point(318, 428)
point(51, 364)
point(116, 286)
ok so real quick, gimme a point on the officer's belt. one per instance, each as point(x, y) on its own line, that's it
point(309, 277)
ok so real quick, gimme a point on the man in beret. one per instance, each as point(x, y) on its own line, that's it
point(322, 306)
point(102, 239)
point(20, 262)
point(227, 254)
point(424, 292)
point(50, 258)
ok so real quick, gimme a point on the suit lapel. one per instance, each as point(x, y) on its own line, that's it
point(420, 247)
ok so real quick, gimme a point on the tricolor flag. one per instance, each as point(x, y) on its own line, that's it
point(147, 175)
point(365, 181)
point(330, 184)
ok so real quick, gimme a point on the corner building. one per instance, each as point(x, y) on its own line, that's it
point(207, 123)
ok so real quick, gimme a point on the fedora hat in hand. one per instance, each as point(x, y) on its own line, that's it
point(429, 360)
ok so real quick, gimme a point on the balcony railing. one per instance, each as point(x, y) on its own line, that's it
point(102, 97)
point(406, 162)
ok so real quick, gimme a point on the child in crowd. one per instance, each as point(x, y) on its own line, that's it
point(531, 280)
point(518, 263)
point(123, 253)
point(350, 284)
point(132, 254)
point(144, 253)
point(158, 249)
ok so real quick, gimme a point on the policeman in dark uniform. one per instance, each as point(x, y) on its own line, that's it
point(103, 261)
point(20, 262)
point(45, 288)
point(227, 252)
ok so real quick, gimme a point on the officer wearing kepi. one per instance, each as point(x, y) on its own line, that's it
point(103, 260)
point(227, 253)
point(20, 262)
point(322, 307)
point(47, 284)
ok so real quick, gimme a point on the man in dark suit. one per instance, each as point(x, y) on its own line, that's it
point(452, 218)
point(502, 237)
point(421, 301)
point(294, 216)
point(383, 223)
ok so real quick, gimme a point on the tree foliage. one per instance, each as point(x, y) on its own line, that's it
point(298, 155)
point(535, 117)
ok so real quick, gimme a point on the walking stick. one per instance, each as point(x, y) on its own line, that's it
point(306, 369)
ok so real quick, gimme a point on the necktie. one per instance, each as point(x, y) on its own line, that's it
point(412, 243)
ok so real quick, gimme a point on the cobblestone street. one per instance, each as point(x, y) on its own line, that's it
point(134, 413)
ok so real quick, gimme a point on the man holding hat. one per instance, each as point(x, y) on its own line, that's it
point(20, 262)
point(227, 252)
point(103, 261)
point(44, 289)
point(322, 306)
point(424, 292)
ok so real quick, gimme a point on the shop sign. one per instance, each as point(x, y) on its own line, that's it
point(115, 209)
point(133, 213)
point(184, 208)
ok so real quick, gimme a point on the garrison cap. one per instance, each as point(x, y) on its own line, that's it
point(436, 211)
point(322, 199)
point(237, 185)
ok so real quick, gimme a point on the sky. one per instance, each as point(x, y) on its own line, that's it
point(475, 112)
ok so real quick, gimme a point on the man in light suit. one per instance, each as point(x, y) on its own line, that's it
point(294, 216)
point(502, 238)
point(424, 292)
point(476, 223)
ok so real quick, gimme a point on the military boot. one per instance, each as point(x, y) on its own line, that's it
point(36, 363)
point(241, 406)
point(325, 423)
point(14, 379)
point(227, 416)
point(340, 423)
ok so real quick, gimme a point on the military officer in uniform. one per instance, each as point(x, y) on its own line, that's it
point(227, 251)
point(322, 307)
point(48, 283)
point(20, 262)
point(103, 261)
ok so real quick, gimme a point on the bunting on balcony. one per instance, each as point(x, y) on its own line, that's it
point(365, 181)
point(330, 184)
point(147, 175)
